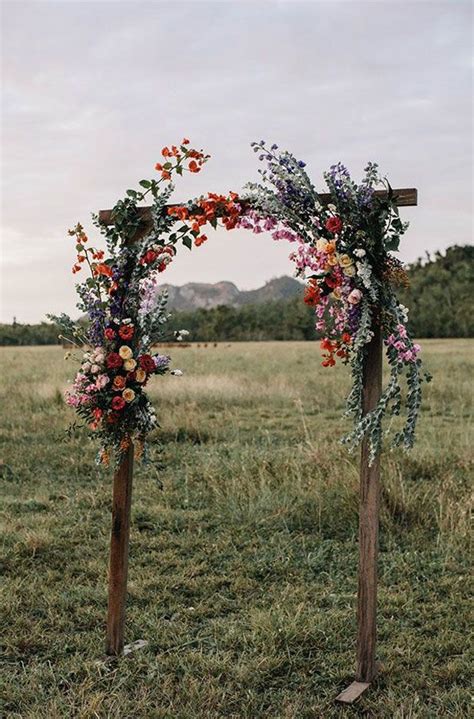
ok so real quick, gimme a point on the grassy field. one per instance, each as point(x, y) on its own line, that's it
point(243, 546)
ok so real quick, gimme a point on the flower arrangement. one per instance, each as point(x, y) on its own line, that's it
point(126, 313)
point(342, 249)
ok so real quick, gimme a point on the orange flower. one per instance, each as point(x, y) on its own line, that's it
point(103, 269)
point(185, 141)
point(193, 166)
point(119, 382)
point(158, 166)
point(165, 175)
point(199, 240)
point(165, 152)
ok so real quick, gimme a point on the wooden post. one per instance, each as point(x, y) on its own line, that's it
point(368, 531)
point(369, 520)
point(119, 540)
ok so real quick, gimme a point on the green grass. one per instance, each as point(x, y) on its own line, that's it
point(243, 561)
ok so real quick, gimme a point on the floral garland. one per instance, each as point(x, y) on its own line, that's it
point(343, 252)
point(126, 313)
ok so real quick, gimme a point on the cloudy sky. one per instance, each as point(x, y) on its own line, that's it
point(91, 91)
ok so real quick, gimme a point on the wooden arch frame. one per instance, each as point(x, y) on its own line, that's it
point(368, 504)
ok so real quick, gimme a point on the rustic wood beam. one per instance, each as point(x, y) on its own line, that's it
point(119, 541)
point(404, 197)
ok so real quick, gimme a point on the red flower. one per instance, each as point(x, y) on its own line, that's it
point(193, 166)
point(332, 282)
point(199, 240)
point(346, 338)
point(185, 141)
point(113, 417)
point(146, 363)
point(126, 332)
point(334, 225)
point(312, 293)
point(118, 403)
point(165, 152)
point(109, 333)
point(114, 361)
point(148, 257)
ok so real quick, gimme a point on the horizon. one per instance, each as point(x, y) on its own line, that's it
point(85, 114)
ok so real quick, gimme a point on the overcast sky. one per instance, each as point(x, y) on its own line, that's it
point(93, 90)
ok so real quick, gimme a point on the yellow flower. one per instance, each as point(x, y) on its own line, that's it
point(125, 352)
point(320, 245)
point(140, 375)
point(128, 395)
point(330, 247)
point(336, 293)
point(130, 364)
point(345, 260)
point(349, 271)
point(332, 260)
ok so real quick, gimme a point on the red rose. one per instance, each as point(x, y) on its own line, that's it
point(109, 333)
point(126, 332)
point(114, 361)
point(113, 417)
point(334, 225)
point(146, 363)
point(148, 257)
point(118, 403)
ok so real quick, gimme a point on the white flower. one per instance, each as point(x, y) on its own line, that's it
point(95, 369)
point(184, 333)
point(128, 321)
point(177, 372)
point(359, 252)
point(86, 367)
point(332, 208)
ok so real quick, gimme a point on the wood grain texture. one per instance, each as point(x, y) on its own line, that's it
point(119, 541)
point(369, 521)
point(405, 196)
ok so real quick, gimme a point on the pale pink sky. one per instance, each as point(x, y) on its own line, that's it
point(92, 91)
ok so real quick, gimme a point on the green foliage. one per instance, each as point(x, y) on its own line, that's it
point(440, 294)
point(277, 320)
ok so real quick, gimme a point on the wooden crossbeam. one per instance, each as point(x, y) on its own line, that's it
point(404, 197)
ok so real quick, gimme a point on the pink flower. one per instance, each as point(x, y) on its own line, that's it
point(354, 297)
point(101, 381)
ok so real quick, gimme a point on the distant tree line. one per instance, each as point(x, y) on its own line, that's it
point(439, 298)
point(440, 295)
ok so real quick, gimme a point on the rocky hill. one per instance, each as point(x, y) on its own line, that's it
point(195, 295)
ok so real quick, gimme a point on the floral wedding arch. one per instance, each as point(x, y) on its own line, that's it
point(341, 249)
point(342, 243)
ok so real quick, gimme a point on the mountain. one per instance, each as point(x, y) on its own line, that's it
point(200, 295)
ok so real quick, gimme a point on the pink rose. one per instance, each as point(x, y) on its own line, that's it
point(354, 297)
